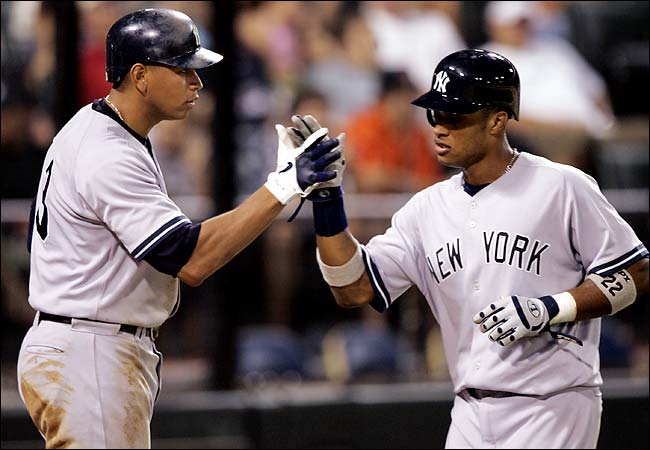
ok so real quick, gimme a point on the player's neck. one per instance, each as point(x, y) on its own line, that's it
point(492, 167)
point(130, 112)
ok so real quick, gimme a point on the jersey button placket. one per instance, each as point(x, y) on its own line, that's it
point(473, 216)
point(472, 224)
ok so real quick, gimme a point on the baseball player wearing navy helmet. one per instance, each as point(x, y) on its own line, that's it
point(518, 257)
point(109, 246)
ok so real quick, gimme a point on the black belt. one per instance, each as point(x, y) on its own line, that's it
point(132, 329)
point(483, 393)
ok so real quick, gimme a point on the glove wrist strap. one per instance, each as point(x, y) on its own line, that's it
point(280, 190)
point(326, 194)
point(319, 196)
point(561, 308)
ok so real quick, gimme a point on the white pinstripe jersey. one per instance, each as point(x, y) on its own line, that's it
point(101, 205)
point(537, 230)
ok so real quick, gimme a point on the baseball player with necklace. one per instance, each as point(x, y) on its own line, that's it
point(109, 246)
point(517, 256)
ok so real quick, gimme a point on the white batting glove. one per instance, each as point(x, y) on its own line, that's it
point(300, 170)
point(513, 317)
point(305, 126)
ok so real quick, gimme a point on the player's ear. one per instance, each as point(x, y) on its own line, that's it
point(139, 77)
point(497, 122)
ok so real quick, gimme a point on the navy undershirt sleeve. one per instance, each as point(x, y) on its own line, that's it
point(173, 252)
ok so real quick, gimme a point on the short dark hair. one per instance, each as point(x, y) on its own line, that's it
point(495, 108)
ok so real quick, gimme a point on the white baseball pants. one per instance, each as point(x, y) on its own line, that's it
point(569, 419)
point(89, 385)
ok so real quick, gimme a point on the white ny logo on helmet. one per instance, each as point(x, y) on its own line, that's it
point(440, 84)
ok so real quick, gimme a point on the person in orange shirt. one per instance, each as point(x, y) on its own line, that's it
point(387, 148)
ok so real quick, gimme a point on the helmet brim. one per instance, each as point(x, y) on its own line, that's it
point(443, 102)
point(200, 59)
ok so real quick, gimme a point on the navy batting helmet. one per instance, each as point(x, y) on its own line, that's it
point(155, 36)
point(469, 80)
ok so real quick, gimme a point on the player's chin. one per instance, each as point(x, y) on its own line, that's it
point(442, 157)
point(448, 160)
point(180, 114)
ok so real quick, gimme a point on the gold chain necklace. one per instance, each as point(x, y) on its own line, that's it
point(114, 108)
point(515, 155)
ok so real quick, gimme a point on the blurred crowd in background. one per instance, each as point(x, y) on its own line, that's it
point(355, 65)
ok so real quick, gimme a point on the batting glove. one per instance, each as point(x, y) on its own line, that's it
point(513, 317)
point(304, 128)
point(300, 170)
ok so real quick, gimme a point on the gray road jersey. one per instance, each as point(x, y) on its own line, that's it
point(537, 230)
point(101, 205)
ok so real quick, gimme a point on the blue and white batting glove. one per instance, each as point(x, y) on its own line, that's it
point(327, 200)
point(301, 169)
point(306, 126)
point(513, 317)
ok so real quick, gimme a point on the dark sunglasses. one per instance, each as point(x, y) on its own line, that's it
point(445, 118)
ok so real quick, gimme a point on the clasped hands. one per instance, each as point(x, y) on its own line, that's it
point(308, 161)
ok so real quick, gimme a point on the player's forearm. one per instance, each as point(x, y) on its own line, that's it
point(354, 295)
point(511, 318)
point(591, 302)
point(224, 236)
point(297, 172)
point(337, 251)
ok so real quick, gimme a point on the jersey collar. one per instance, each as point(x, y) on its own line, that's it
point(100, 106)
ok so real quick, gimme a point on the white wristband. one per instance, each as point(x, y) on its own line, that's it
point(619, 288)
point(567, 308)
point(344, 275)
